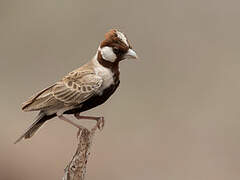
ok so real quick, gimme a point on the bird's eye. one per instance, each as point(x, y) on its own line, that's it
point(115, 50)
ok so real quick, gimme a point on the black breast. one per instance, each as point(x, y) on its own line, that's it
point(95, 100)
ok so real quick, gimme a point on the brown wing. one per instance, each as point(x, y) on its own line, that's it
point(41, 100)
point(74, 88)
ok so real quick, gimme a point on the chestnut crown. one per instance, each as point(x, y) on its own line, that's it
point(116, 47)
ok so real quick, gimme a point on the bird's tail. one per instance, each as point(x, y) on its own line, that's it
point(39, 121)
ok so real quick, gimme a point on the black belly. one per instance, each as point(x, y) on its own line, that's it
point(95, 100)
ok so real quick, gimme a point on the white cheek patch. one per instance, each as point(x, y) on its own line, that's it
point(122, 37)
point(108, 54)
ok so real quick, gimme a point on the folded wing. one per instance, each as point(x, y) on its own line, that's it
point(73, 89)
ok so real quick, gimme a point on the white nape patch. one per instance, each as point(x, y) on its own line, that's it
point(105, 73)
point(108, 54)
point(122, 37)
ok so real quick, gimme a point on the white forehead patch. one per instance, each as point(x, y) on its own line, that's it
point(108, 54)
point(122, 37)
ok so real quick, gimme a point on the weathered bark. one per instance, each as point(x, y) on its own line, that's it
point(76, 169)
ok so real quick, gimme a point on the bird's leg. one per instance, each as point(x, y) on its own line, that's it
point(72, 123)
point(100, 120)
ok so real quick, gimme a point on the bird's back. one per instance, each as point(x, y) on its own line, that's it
point(46, 99)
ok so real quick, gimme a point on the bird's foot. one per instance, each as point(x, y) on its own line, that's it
point(100, 123)
point(100, 120)
point(79, 132)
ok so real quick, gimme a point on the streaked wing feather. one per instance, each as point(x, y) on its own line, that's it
point(41, 100)
point(75, 89)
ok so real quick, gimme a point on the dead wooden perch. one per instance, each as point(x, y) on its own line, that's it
point(76, 169)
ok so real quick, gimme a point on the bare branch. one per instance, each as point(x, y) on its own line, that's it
point(76, 169)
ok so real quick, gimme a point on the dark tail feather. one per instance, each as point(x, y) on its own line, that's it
point(40, 120)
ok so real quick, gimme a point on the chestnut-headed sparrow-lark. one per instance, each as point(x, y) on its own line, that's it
point(84, 88)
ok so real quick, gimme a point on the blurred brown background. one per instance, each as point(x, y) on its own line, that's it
point(176, 115)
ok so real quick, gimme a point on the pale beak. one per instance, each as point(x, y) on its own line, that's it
point(131, 54)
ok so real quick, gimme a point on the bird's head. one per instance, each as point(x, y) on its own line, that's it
point(115, 47)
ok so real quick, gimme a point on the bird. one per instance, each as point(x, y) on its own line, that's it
point(84, 88)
